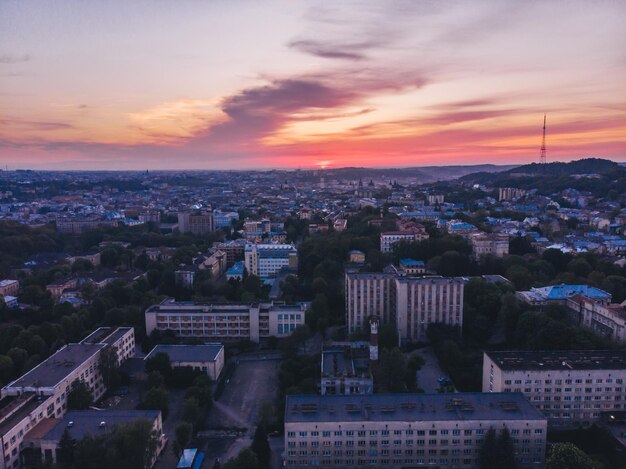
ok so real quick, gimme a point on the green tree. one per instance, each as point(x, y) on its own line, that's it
point(487, 458)
point(246, 459)
point(65, 452)
point(79, 397)
point(109, 367)
point(190, 410)
point(161, 363)
point(156, 399)
point(505, 451)
point(568, 456)
point(155, 380)
point(7, 368)
point(261, 447)
point(183, 432)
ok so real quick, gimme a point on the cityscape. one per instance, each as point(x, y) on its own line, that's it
point(239, 235)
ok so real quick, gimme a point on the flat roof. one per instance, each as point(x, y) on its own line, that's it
point(57, 367)
point(106, 335)
point(562, 292)
point(15, 409)
point(84, 422)
point(188, 353)
point(560, 360)
point(410, 407)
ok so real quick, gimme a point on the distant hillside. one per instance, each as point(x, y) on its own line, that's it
point(606, 178)
point(584, 166)
point(421, 174)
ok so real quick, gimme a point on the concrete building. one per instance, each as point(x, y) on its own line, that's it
point(57, 288)
point(42, 392)
point(571, 387)
point(408, 430)
point(412, 266)
point(410, 303)
point(185, 275)
point(560, 294)
point(9, 287)
point(436, 199)
point(42, 442)
point(224, 322)
point(607, 320)
point(490, 244)
point(196, 223)
point(81, 225)
point(266, 260)
point(340, 224)
point(389, 238)
point(208, 358)
point(510, 194)
point(235, 272)
point(357, 257)
point(93, 257)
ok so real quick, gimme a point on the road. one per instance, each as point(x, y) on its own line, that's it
point(252, 383)
point(428, 374)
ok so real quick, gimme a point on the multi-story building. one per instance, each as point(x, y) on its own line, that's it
point(571, 387)
point(560, 294)
point(340, 224)
point(9, 287)
point(510, 193)
point(607, 320)
point(346, 369)
point(408, 430)
point(93, 257)
point(196, 223)
point(266, 260)
point(490, 244)
point(412, 266)
point(234, 250)
point(224, 219)
point(225, 322)
point(57, 288)
point(389, 238)
point(410, 303)
point(435, 199)
point(185, 275)
point(207, 358)
point(43, 391)
point(150, 216)
point(46, 437)
point(121, 338)
point(80, 225)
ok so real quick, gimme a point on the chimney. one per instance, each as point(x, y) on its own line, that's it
point(373, 341)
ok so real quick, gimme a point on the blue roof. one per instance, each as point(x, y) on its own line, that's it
point(412, 262)
point(562, 292)
point(187, 458)
point(236, 269)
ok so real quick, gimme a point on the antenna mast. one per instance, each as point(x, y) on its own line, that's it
point(542, 155)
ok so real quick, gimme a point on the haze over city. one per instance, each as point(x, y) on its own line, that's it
point(243, 85)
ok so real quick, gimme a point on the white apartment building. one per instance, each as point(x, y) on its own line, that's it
point(266, 260)
point(607, 320)
point(9, 287)
point(389, 238)
point(490, 244)
point(410, 303)
point(225, 322)
point(408, 430)
point(42, 392)
point(570, 387)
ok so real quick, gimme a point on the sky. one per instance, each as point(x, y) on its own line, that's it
point(236, 84)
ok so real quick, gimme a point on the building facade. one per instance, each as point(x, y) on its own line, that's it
point(607, 320)
point(490, 244)
point(224, 322)
point(196, 223)
point(266, 260)
point(9, 287)
point(410, 303)
point(207, 358)
point(408, 430)
point(571, 387)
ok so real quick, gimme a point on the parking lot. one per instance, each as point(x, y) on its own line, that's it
point(252, 383)
point(427, 376)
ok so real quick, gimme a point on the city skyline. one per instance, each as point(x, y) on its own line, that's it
point(243, 85)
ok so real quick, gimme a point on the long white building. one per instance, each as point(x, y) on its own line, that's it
point(571, 387)
point(225, 322)
point(266, 260)
point(408, 430)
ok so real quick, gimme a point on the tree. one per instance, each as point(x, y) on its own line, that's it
point(487, 457)
point(568, 456)
point(261, 447)
point(190, 410)
point(183, 434)
point(156, 399)
point(155, 380)
point(161, 363)
point(67, 445)
point(505, 452)
point(79, 397)
point(6, 368)
point(109, 367)
point(246, 459)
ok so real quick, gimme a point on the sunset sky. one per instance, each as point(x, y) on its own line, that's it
point(182, 84)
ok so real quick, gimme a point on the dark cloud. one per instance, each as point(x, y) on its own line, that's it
point(35, 125)
point(13, 59)
point(330, 51)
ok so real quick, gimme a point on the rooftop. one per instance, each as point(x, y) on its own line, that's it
point(188, 353)
point(562, 292)
point(410, 407)
point(83, 422)
point(560, 360)
point(57, 367)
point(106, 335)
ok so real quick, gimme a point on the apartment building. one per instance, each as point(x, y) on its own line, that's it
point(196, 223)
point(9, 287)
point(490, 244)
point(560, 294)
point(42, 392)
point(207, 358)
point(266, 260)
point(410, 303)
point(81, 225)
point(510, 193)
point(389, 238)
point(225, 322)
point(57, 288)
point(408, 430)
point(607, 320)
point(570, 387)
point(121, 338)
